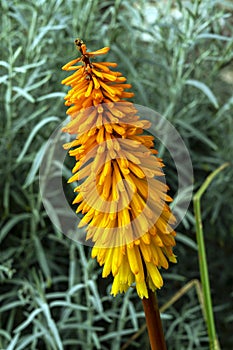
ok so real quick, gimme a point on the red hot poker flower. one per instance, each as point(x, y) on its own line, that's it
point(120, 192)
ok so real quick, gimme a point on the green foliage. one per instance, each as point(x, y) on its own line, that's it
point(178, 56)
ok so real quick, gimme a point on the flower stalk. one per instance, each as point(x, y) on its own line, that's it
point(153, 322)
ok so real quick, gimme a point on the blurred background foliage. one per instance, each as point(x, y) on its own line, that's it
point(178, 57)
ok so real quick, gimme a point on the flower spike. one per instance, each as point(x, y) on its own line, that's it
point(120, 192)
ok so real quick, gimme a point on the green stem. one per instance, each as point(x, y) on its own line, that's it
point(214, 344)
